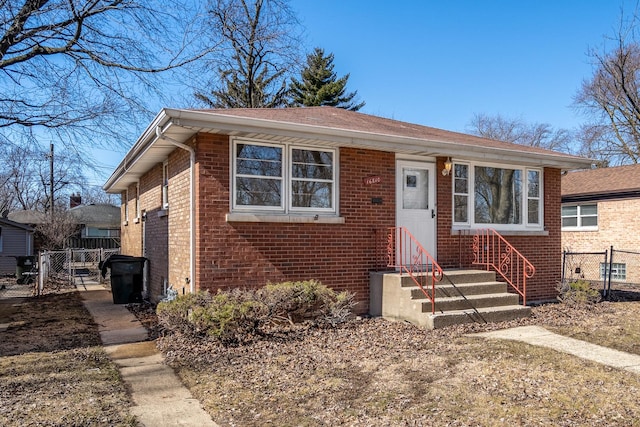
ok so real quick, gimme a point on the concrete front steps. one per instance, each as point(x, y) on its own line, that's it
point(462, 296)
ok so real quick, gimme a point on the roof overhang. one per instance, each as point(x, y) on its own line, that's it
point(181, 125)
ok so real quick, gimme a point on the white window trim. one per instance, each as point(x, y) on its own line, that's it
point(282, 179)
point(285, 207)
point(126, 207)
point(165, 185)
point(137, 218)
point(524, 225)
point(580, 227)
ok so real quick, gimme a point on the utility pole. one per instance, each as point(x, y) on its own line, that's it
point(51, 180)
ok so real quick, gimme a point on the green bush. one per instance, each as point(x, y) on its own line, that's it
point(580, 292)
point(240, 316)
point(175, 315)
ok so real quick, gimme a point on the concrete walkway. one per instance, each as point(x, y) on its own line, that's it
point(536, 335)
point(159, 397)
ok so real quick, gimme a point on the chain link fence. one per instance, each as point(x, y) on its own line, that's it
point(614, 270)
point(54, 270)
point(24, 281)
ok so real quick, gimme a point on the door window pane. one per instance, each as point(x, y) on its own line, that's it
point(415, 192)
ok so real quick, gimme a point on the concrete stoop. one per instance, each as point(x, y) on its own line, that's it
point(463, 296)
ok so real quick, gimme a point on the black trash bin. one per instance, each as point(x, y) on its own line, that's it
point(126, 278)
point(24, 264)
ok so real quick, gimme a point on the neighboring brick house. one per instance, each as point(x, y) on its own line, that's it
point(600, 210)
point(218, 199)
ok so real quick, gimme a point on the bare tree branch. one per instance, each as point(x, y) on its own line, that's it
point(260, 49)
point(84, 69)
point(610, 99)
point(540, 135)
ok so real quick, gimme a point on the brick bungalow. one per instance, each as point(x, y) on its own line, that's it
point(599, 210)
point(217, 199)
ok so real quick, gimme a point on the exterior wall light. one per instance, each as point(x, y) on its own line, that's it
point(447, 167)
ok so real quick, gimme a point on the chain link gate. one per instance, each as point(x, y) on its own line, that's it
point(24, 283)
point(72, 266)
point(55, 270)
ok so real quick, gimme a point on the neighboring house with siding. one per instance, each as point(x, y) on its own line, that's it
point(15, 240)
point(600, 210)
point(218, 199)
point(98, 225)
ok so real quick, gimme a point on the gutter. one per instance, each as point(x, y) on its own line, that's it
point(197, 119)
point(192, 210)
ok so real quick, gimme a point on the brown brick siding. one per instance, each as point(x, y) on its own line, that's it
point(544, 252)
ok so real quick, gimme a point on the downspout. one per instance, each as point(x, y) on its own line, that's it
point(192, 204)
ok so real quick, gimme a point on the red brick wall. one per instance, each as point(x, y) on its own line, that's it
point(155, 229)
point(243, 254)
point(130, 235)
point(178, 221)
point(544, 252)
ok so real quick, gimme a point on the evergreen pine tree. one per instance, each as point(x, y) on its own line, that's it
point(319, 85)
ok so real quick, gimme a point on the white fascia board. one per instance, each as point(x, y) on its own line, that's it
point(231, 124)
point(141, 146)
point(393, 143)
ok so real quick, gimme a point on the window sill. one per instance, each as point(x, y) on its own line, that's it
point(292, 219)
point(136, 220)
point(162, 213)
point(125, 223)
point(469, 231)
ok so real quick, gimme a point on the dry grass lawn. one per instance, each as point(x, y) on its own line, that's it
point(53, 371)
point(378, 373)
point(370, 372)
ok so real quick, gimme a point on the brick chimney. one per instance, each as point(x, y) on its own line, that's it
point(75, 200)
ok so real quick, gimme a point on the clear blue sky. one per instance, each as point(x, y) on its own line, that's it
point(439, 62)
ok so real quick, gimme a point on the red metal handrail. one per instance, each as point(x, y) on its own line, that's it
point(493, 251)
point(404, 252)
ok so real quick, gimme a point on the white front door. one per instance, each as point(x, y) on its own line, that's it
point(415, 201)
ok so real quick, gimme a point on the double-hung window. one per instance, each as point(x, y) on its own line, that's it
point(283, 178)
point(496, 196)
point(580, 217)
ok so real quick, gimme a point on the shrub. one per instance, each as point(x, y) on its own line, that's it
point(579, 292)
point(239, 316)
point(175, 315)
point(230, 317)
